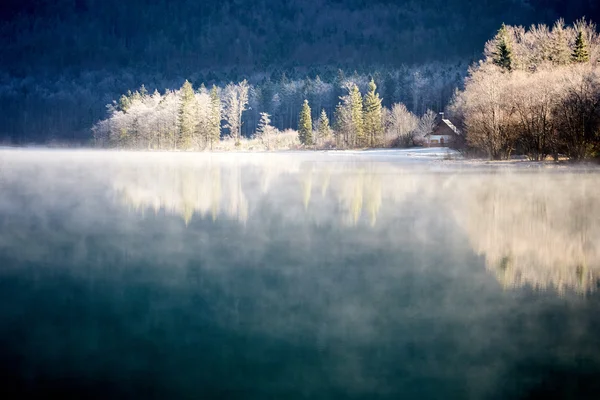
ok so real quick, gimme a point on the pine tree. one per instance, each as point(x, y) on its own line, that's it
point(125, 101)
point(264, 123)
point(349, 118)
point(215, 117)
point(265, 132)
point(338, 85)
point(356, 116)
point(143, 91)
point(342, 123)
point(503, 56)
point(580, 53)
point(323, 129)
point(559, 48)
point(372, 116)
point(186, 123)
point(305, 125)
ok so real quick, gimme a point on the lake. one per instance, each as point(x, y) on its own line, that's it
point(296, 275)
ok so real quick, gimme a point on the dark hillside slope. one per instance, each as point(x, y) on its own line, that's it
point(99, 48)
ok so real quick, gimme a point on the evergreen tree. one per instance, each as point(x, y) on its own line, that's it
point(338, 85)
point(559, 48)
point(125, 101)
point(342, 123)
point(323, 129)
point(305, 125)
point(136, 96)
point(503, 56)
point(265, 132)
point(215, 117)
point(143, 91)
point(186, 113)
point(372, 116)
point(356, 116)
point(267, 91)
point(389, 89)
point(264, 124)
point(580, 53)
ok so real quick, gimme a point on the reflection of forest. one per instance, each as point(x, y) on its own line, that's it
point(538, 229)
point(215, 188)
point(185, 190)
point(534, 229)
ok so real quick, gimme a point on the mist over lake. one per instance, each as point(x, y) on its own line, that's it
point(296, 275)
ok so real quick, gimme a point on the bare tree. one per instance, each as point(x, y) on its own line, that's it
point(400, 125)
point(425, 127)
point(235, 102)
point(578, 112)
point(534, 97)
point(488, 111)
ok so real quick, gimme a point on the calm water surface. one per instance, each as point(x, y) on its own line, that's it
point(291, 276)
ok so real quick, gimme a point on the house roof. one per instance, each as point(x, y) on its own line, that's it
point(446, 122)
point(451, 125)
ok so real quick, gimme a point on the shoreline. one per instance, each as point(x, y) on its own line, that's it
point(426, 155)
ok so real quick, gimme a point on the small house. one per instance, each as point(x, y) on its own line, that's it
point(443, 133)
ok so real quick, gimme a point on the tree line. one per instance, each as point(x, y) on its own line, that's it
point(63, 60)
point(62, 109)
point(536, 92)
point(198, 119)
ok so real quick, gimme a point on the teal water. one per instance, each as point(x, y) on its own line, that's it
point(285, 276)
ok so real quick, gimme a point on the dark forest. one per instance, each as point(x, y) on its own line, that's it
point(63, 61)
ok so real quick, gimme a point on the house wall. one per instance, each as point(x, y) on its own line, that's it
point(443, 129)
point(436, 140)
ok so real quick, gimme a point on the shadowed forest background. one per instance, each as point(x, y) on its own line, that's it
point(63, 61)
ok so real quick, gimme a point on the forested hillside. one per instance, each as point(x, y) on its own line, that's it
point(63, 60)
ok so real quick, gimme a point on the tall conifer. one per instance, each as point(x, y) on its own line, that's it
point(372, 116)
point(503, 56)
point(580, 53)
point(215, 117)
point(305, 125)
point(356, 115)
point(186, 116)
point(323, 128)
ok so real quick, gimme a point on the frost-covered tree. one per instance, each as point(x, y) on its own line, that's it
point(166, 120)
point(546, 104)
point(425, 127)
point(534, 98)
point(266, 133)
point(215, 117)
point(349, 120)
point(489, 112)
point(578, 112)
point(343, 123)
point(234, 104)
point(401, 125)
point(202, 132)
point(323, 128)
point(187, 116)
point(559, 46)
